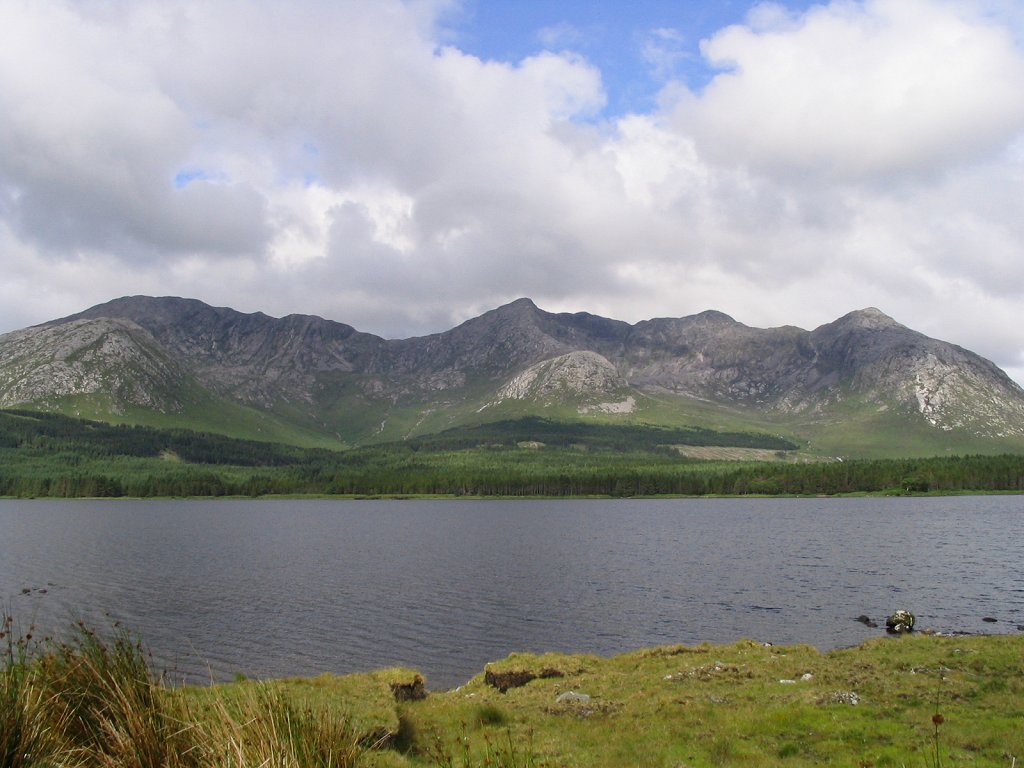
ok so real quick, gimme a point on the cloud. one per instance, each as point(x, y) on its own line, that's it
point(346, 159)
point(562, 35)
point(663, 50)
point(860, 90)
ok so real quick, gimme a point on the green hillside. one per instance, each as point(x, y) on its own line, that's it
point(53, 455)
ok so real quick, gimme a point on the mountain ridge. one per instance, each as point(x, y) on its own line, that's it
point(862, 371)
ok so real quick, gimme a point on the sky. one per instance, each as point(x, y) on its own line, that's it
point(404, 166)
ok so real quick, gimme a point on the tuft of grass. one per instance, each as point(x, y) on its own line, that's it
point(504, 751)
point(93, 702)
point(27, 732)
point(262, 727)
point(108, 705)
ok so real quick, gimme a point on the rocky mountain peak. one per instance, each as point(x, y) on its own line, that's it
point(713, 317)
point(522, 304)
point(869, 318)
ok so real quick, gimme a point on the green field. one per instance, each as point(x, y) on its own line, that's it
point(915, 700)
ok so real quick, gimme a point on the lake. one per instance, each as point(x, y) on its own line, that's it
point(286, 588)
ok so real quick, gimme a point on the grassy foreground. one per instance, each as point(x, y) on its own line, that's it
point(912, 701)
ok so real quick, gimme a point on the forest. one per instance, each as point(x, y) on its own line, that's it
point(48, 455)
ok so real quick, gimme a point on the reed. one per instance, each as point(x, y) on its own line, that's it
point(92, 702)
point(261, 727)
point(108, 705)
point(27, 730)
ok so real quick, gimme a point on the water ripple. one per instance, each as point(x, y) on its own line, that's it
point(301, 587)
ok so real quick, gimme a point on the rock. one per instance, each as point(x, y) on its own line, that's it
point(901, 621)
point(841, 697)
point(990, 620)
point(570, 696)
point(866, 621)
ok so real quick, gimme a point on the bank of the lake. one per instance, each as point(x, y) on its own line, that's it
point(745, 703)
point(912, 700)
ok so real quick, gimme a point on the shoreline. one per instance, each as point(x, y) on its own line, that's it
point(743, 702)
point(472, 497)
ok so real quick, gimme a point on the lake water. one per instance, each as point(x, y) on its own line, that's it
point(284, 588)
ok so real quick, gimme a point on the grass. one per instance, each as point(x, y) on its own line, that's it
point(201, 411)
point(92, 701)
point(911, 701)
point(25, 728)
point(727, 705)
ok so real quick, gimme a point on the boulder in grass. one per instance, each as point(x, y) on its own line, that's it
point(572, 697)
point(901, 621)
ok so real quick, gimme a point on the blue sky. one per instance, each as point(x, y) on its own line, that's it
point(403, 165)
point(619, 38)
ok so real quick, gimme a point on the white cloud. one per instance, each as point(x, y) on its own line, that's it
point(860, 90)
point(342, 158)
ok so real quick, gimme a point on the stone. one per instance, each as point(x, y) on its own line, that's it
point(571, 696)
point(901, 621)
point(866, 621)
point(841, 697)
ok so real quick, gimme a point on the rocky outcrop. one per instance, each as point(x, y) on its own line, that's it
point(574, 375)
point(111, 358)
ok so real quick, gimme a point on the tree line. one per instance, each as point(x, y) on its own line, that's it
point(465, 475)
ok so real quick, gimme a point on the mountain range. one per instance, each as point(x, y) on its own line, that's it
point(863, 385)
